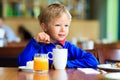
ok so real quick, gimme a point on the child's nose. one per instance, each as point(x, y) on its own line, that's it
point(63, 28)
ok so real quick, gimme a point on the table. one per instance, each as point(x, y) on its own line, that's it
point(68, 74)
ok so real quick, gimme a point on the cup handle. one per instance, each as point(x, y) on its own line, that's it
point(48, 55)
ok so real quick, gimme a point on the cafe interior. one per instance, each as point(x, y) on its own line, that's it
point(94, 28)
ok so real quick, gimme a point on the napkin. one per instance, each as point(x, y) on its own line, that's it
point(89, 70)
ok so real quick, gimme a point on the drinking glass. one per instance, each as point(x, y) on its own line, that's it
point(41, 62)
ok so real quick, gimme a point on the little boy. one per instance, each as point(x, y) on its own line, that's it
point(55, 21)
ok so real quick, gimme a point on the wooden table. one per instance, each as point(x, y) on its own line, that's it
point(68, 74)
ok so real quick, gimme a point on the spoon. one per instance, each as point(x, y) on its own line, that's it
point(102, 71)
point(58, 46)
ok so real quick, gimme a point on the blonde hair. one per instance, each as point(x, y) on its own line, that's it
point(53, 11)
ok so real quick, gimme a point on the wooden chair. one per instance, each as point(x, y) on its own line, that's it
point(108, 55)
point(8, 56)
point(108, 45)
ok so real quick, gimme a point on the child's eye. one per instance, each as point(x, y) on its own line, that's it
point(57, 25)
point(66, 25)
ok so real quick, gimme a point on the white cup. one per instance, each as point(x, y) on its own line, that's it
point(88, 44)
point(60, 58)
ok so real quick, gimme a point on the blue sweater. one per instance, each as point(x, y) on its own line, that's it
point(77, 58)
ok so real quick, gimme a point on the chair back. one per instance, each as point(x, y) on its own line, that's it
point(9, 55)
point(108, 55)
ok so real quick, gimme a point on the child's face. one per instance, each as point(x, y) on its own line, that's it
point(58, 28)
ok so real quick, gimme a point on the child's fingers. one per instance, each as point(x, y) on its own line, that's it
point(39, 38)
point(42, 37)
point(47, 39)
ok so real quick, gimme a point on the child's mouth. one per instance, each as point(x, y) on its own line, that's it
point(61, 35)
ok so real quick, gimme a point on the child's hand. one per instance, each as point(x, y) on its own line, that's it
point(42, 37)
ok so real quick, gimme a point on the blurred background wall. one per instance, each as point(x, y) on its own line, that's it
point(92, 19)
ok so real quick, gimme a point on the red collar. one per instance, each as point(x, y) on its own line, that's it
point(62, 42)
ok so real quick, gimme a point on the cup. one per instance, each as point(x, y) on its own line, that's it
point(59, 58)
point(88, 44)
point(41, 62)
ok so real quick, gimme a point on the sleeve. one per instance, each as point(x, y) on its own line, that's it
point(78, 58)
point(28, 53)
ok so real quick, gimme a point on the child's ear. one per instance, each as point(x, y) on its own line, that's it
point(43, 25)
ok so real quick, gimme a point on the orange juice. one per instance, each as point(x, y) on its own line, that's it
point(40, 63)
point(45, 64)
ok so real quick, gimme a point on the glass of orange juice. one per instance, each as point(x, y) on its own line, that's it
point(41, 62)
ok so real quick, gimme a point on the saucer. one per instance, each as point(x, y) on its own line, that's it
point(108, 67)
point(25, 69)
point(114, 76)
